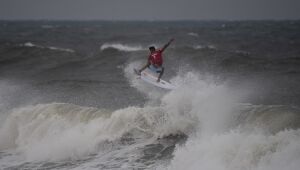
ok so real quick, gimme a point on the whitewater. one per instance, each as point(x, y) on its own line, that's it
point(71, 106)
point(205, 112)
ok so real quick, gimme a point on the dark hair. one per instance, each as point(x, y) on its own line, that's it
point(152, 48)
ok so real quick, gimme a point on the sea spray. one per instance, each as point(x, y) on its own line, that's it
point(209, 113)
point(64, 131)
point(238, 149)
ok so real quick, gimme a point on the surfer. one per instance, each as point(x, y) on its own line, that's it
point(155, 60)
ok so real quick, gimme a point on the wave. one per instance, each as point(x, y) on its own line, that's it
point(29, 44)
point(220, 135)
point(198, 100)
point(60, 131)
point(238, 149)
point(193, 34)
point(64, 131)
point(200, 47)
point(226, 134)
point(132, 48)
point(121, 47)
point(61, 49)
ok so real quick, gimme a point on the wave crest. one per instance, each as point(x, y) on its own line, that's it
point(29, 44)
point(64, 131)
point(120, 47)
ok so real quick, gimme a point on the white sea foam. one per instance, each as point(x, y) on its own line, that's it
point(61, 49)
point(238, 150)
point(193, 34)
point(52, 132)
point(29, 44)
point(64, 131)
point(205, 111)
point(199, 47)
point(196, 102)
point(199, 108)
point(216, 143)
point(121, 47)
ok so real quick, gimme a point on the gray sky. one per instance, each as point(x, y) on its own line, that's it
point(150, 9)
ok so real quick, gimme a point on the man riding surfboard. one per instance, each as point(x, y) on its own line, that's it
point(155, 60)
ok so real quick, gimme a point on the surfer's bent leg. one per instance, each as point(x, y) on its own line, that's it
point(160, 74)
point(145, 66)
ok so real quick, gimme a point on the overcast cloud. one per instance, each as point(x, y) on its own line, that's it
point(150, 9)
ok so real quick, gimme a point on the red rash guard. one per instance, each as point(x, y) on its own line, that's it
point(155, 58)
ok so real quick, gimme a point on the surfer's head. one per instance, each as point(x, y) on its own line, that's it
point(152, 49)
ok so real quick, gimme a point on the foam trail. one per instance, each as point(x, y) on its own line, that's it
point(193, 34)
point(29, 44)
point(61, 49)
point(120, 47)
point(201, 47)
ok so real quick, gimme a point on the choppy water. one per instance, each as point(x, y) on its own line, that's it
point(69, 98)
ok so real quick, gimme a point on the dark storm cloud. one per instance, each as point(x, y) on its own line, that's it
point(149, 9)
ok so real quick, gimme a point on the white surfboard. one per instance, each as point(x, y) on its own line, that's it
point(150, 77)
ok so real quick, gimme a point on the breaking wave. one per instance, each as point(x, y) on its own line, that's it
point(193, 34)
point(64, 131)
point(238, 149)
point(222, 133)
point(120, 47)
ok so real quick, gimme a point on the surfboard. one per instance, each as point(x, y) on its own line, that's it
point(150, 77)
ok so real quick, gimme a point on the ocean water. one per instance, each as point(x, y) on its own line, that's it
point(69, 98)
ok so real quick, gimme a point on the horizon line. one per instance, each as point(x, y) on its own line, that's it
point(148, 20)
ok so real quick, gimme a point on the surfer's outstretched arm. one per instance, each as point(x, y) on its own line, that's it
point(167, 45)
